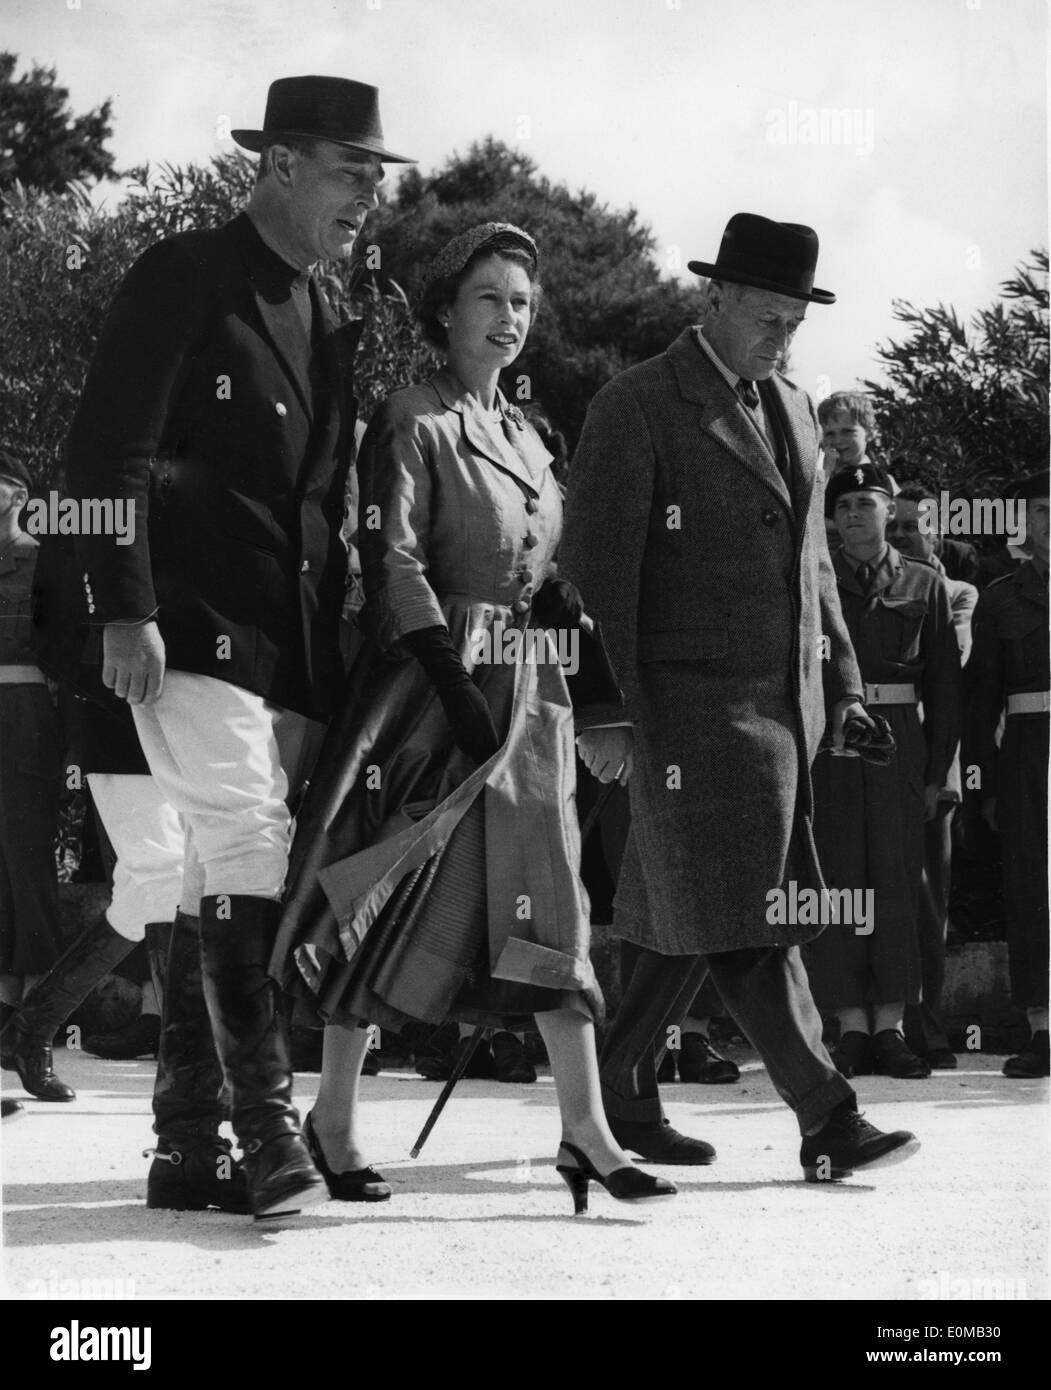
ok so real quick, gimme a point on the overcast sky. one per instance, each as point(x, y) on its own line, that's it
point(690, 110)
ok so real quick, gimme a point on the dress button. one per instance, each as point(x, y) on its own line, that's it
point(770, 517)
point(532, 505)
point(520, 605)
point(525, 576)
point(529, 540)
point(281, 408)
point(305, 567)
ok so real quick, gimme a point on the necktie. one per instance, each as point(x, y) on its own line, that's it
point(746, 390)
point(865, 574)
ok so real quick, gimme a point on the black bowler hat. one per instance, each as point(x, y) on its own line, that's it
point(13, 469)
point(1036, 485)
point(776, 256)
point(322, 108)
point(863, 477)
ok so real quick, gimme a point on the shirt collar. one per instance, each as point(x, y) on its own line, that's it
point(731, 378)
point(881, 562)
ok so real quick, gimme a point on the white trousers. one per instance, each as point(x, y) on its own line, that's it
point(228, 761)
point(147, 838)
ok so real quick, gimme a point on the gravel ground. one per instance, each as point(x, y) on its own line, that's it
point(482, 1214)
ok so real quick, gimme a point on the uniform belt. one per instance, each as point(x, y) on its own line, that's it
point(882, 694)
point(1029, 702)
point(22, 675)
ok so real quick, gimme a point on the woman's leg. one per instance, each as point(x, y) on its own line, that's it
point(335, 1113)
point(570, 1040)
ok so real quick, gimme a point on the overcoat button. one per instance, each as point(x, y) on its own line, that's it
point(281, 408)
point(770, 517)
point(530, 540)
point(532, 505)
point(305, 567)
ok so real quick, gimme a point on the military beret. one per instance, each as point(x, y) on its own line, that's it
point(863, 477)
point(1036, 485)
point(14, 469)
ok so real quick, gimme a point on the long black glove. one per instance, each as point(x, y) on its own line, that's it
point(557, 604)
point(874, 745)
point(466, 708)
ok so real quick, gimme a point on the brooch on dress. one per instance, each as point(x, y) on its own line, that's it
point(512, 413)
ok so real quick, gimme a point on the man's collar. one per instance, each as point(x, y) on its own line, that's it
point(281, 267)
point(731, 378)
point(881, 560)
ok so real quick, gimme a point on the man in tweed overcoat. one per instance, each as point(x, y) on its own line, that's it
point(695, 533)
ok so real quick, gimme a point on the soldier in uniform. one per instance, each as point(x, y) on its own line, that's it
point(869, 820)
point(1009, 673)
point(29, 761)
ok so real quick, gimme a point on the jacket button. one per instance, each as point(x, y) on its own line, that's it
point(525, 576)
point(91, 608)
point(529, 540)
point(281, 408)
point(532, 506)
point(770, 517)
point(305, 567)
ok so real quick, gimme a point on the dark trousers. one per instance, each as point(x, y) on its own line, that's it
point(924, 1029)
point(765, 989)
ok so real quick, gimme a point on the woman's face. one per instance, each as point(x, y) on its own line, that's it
point(488, 322)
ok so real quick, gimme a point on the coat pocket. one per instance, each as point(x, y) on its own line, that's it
point(684, 644)
point(900, 628)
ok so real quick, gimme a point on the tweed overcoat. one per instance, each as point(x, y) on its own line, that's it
point(718, 604)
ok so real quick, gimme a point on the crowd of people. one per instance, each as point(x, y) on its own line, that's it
point(372, 823)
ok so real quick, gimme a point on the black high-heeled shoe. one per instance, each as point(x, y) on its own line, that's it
point(625, 1184)
point(354, 1185)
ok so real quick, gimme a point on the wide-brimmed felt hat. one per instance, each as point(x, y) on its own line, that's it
point(861, 477)
point(322, 108)
point(776, 256)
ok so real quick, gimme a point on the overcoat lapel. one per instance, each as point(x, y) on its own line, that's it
point(722, 416)
point(798, 431)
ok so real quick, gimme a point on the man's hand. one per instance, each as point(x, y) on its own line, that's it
point(608, 754)
point(133, 661)
point(841, 712)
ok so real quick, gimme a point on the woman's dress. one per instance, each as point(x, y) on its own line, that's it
point(422, 886)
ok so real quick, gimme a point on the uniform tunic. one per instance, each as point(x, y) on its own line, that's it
point(29, 779)
point(420, 885)
point(1010, 657)
point(868, 820)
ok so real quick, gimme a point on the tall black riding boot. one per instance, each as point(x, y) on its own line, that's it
point(193, 1168)
point(237, 937)
point(25, 1043)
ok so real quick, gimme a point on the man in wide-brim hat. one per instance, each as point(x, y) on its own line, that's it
point(695, 533)
point(219, 401)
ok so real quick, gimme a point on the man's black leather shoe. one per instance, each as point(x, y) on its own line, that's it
point(657, 1141)
point(941, 1059)
point(1032, 1061)
point(892, 1056)
point(852, 1055)
point(848, 1142)
point(700, 1063)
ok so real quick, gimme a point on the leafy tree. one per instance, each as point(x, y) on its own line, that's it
point(966, 405)
point(42, 144)
point(605, 304)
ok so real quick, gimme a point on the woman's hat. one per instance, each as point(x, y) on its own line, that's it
point(862, 477)
point(455, 254)
point(776, 256)
point(322, 108)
